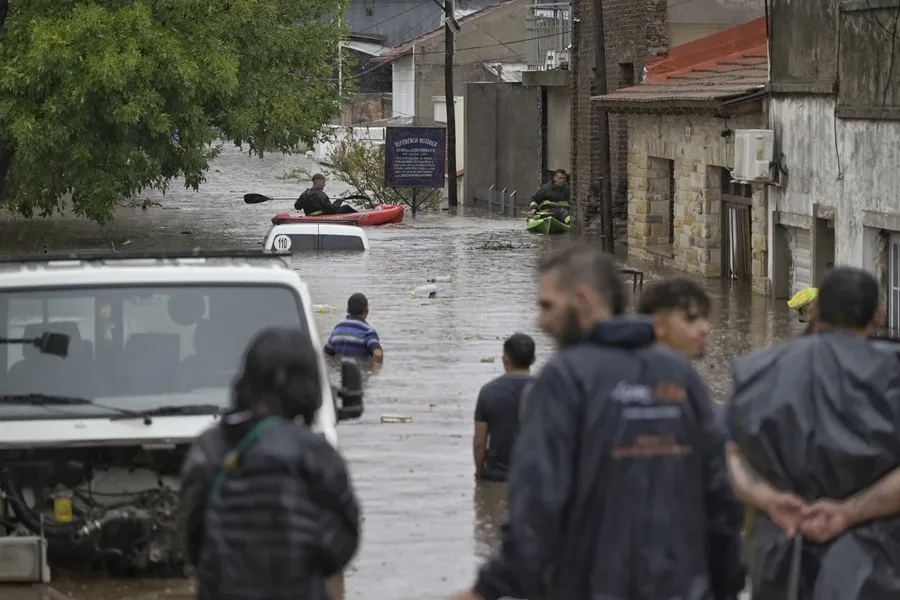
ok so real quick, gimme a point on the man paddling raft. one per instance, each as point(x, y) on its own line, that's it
point(314, 201)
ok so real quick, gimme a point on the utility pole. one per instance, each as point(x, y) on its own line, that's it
point(450, 99)
point(606, 211)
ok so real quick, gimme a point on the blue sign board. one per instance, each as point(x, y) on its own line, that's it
point(415, 157)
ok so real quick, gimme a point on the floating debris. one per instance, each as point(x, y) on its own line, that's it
point(395, 419)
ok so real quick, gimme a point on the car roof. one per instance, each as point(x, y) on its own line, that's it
point(77, 269)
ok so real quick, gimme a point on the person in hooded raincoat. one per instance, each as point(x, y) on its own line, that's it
point(618, 488)
point(267, 506)
point(815, 445)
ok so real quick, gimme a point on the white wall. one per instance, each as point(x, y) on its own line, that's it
point(440, 115)
point(403, 86)
point(814, 145)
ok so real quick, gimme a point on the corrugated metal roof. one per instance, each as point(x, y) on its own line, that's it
point(369, 48)
point(507, 72)
point(463, 16)
point(706, 72)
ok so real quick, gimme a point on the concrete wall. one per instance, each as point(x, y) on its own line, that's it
point(503, 146)
point(493, 37)
point(363, 108)
point(559, 128)
point(689, 21)
point(853, 172)
point(698, 150)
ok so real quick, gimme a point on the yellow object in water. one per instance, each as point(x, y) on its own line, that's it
point(803, 298)
point(62, 510)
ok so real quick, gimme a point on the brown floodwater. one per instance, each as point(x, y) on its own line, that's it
point(427, 526)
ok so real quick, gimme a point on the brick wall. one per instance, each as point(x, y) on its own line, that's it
point(634, 29)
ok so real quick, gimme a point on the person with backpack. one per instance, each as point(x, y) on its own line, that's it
point(267, 506)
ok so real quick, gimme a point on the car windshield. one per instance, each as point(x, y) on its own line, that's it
point(134, 348)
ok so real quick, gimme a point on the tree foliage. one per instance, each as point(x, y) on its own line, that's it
point(101, 99)
point(360, 164)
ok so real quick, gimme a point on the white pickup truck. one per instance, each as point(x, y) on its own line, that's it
point(110, 365)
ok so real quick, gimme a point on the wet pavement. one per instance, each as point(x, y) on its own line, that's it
point(426, 526)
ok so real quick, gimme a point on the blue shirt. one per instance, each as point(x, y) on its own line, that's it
point(352, 337)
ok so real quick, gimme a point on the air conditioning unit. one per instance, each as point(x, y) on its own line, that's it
point(754, 150)
point(556, 58)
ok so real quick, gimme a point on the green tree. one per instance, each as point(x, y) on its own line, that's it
point(101, 99)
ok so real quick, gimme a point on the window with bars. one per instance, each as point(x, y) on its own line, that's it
point(894, 282)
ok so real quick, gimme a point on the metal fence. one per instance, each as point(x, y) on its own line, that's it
point(501, 202)
point(548, 27)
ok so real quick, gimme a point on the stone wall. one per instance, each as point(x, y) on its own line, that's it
point(697, 151)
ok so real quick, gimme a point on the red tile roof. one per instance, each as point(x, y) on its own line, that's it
point(701, 74)
point(406, 47)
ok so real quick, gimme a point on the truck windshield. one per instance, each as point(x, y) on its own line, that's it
point(134, 348)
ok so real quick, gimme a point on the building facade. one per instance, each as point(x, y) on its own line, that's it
point(684, 208)
point(835, 110)
point(635, 30)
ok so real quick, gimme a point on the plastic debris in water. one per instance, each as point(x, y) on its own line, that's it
point(395, 419)
point(323, 308)
point(440, 279)
point(488, 359)
point(424, 291)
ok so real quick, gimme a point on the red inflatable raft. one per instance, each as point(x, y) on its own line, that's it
point(382, 215)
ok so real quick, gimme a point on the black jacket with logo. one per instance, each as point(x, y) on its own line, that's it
point(618, 488)
point(277, 526)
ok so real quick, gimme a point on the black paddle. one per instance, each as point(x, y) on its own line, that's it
point(256, 198)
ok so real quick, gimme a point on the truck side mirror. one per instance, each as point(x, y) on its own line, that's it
point(351, 392)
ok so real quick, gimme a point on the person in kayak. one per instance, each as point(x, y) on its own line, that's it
point(553, 198)
point(815, 446)
point(268, 509)
point(314, 201)
point(618, 486)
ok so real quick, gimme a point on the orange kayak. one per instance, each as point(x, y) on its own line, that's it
point(381, 215)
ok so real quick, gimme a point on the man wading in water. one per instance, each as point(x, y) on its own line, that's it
point(314, 201)
point(497, 410)
point(618, 489)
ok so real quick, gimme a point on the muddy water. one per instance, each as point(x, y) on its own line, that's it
point(426, 525)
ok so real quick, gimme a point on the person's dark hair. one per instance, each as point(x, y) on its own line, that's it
point(318, 177)
point(357, 305)
point(848, 298)
point(584, 264)
point(669, 294)
point(561, 171)
point(280, 376)
point(519, 349)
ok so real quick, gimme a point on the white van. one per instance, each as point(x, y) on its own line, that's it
point(91, 443)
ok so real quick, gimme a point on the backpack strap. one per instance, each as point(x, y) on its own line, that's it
point(232, 460)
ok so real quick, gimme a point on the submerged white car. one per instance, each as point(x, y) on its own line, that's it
point(95, 420)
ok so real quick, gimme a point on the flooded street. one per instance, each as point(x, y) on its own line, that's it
point(426, 527)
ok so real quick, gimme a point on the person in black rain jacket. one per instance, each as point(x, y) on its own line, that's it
point(267, 505)
point(618, 488)
point(314, 201)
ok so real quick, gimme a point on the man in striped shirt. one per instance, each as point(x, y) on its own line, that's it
point(354, 336)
